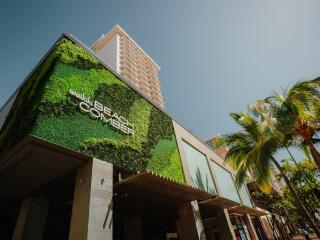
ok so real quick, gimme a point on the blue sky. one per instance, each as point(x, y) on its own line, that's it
point(216, 56)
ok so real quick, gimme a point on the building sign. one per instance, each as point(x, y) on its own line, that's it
point(97, 110)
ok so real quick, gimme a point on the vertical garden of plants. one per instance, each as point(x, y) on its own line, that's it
point(45, 109)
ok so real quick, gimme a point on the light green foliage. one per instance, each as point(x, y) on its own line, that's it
point(72, 130)
point(116, 152)
point(73, 54)
point(140, 116)
point(166, 160)
point(174, 168)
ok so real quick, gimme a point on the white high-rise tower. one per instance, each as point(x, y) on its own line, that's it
point(128, 59)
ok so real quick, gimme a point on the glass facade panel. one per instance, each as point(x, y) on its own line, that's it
point(199, 169)
point(225, 182)
point(245, 197)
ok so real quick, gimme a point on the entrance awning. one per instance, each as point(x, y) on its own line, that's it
point(32, 163)
point(247, 210)
point(152, 186)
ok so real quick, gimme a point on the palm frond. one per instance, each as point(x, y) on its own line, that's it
point(247, 122)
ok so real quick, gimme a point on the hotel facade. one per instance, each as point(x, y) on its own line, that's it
point(84, 154)
point(120, 52)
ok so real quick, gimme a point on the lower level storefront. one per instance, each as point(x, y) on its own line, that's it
point(49, 192)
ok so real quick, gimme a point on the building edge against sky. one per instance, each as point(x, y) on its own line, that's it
point(206, 181)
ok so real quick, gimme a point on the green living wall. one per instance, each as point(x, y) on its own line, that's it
point(45, 108)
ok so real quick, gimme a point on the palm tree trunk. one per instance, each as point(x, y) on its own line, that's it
point(314, 152)
point(300, 169)
point(296, 197)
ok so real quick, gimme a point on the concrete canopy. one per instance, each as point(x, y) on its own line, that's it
point(32, 163)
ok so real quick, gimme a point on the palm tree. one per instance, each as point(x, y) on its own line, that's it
point(252, 150)
point(266, 112)
point(297, 112)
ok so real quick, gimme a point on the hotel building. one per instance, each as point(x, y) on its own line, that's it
point(84, 154)
point(128, 59)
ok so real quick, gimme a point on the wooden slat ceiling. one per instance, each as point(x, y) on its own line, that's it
point(150, 185)
point(247, 210)
point(219, 202)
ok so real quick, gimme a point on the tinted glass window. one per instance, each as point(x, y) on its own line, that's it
point(245, 197)
point(225, 182)
point(199, 169)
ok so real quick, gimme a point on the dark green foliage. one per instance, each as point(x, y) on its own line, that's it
point(163, 129)
point(117, 153)
point(116, 97)
point(305, 177)
point(24, 111)
point(58, 109)
point(279, 209)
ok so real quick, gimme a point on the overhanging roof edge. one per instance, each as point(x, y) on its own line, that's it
point(9, 158)
point(157, 179)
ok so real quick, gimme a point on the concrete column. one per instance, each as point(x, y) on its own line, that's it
point(92, 203)
point(189, 225)
point(224, 224)
point(133, 229)
point(250, 227)
point(32, 218)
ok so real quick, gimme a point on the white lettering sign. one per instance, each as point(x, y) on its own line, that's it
point(97, 110)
